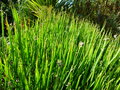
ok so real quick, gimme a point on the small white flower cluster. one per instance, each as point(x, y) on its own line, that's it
point(81, 44)
point(59, 62)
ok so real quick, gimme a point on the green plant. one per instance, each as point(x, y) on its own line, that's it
point(59, 53)
point(45, 2)
point(38, 10)
point(5, 6)
point(97, 11)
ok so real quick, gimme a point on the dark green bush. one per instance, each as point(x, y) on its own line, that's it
point(98, 11)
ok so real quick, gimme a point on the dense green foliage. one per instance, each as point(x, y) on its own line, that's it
point(5, 6)
point(57, 53)
point(97, 11)
point(100, 11)
point(48, 48)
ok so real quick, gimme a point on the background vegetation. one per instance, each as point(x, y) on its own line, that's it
point(47, 47)
point(97, 11)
